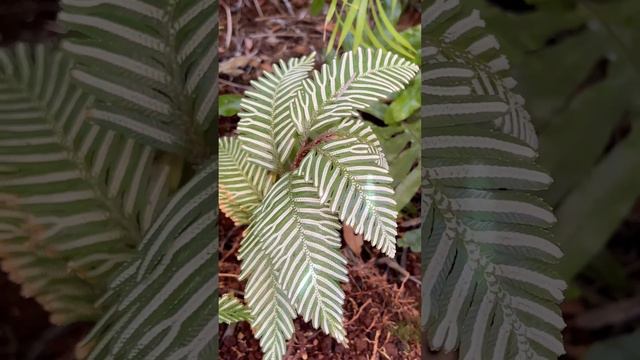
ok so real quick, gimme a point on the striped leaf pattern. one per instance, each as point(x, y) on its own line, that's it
point(66, 297)
point(151, 66)
point(301, 237)
point(469, 92)
point(402, 145)
point(272, 312)
point(243, 184)
point(266, 129)
point(355, 187)
point(349, 83)
point(488, 287)
point(231, 310)
point(163, 302)
point(357, 128)
point(290, 253)
point(89, 191)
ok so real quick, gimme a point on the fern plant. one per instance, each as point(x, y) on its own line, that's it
point(304, 162)
point(108, 174)
point(72, 193)
point(373, 24)
point(489, 289)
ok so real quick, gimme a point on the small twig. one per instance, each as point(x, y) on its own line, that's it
point(391, 263)
point(229, 34)
point(287, 4)
point(410, 223)
point(231, 83)
point(229, 275)
point(359, 312)
point(257, 5)
point(374, 354)
point(308, 146)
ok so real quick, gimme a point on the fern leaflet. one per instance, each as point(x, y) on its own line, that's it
point(488, 289)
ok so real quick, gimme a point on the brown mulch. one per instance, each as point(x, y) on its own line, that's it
point(382, 316)
point(256, 33)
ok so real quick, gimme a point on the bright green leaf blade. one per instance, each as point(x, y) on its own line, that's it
point(229, 104)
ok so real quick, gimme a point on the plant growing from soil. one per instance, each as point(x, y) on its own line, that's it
point(303, 165)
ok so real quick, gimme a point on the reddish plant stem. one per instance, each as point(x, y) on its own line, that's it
point(310, 144)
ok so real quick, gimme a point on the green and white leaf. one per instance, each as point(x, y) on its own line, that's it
point(353, 185)
point(65, 296)
point(231, 310)
point(290, 252)
point(363, 131)
point(402, 146)
point(243, 184)
point(489, 289)
point(151, 66)
point(349, 83)
point(467, 76)
point(89, 190)
point(163, 303)
point(272, 313)
point(266, 129)
point(299, 235)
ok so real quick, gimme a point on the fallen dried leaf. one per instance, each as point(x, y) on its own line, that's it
point(234, 65)
point(353, 241)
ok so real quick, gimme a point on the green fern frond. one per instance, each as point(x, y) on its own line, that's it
point(162, 304)
point(90, 190)
point(151, 66)
point(488, 287)
point(402, 145)
point(243, 184)
point(65, 296)
point(355, 187)
point(231, 310)
point(359, 129)
point(266, 129)
point(290, 252)
point(349, 83)
point(301, 236)
point(272, 313)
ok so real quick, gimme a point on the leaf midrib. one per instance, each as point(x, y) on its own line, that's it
point(114, 208)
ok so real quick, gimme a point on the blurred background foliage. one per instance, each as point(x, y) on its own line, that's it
point(578, 66)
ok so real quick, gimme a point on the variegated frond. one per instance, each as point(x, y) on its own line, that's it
point(272, 313)
point(243, 184)
point(402, 145)
point(65, 296)
point(151, 66)
point(266, 129)
point(352, 183)
point(465, 63)
point(298, 236)
point(489, 289)
point(349, 83)
point(163, 303)
point(231, 310)
point(90, 191)
point(361, 130)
